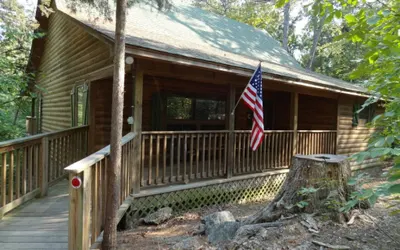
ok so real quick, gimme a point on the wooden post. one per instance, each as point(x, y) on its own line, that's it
point(294, 110)
point(44, 166)
point(231, 128)
point(137, 127)
point(79, 212)
point(337, 123)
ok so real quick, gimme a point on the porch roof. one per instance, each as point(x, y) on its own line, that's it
point(191, 32)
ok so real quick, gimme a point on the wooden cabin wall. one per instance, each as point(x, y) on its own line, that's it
point(69, 54)
point(278, 114)
point(353, 139)
point(282, 110)
point(317, 113)
point(100, 112)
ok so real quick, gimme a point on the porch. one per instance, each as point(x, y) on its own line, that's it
point(185, 130)
point(169, 157)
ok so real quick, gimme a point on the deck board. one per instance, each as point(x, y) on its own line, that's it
point(39, 224)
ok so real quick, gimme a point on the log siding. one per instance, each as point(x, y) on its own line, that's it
point(353, 139)
point(70, 54)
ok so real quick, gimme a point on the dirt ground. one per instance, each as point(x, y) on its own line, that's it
point(377, 230)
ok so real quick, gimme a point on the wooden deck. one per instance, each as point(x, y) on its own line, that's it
point(39, 224)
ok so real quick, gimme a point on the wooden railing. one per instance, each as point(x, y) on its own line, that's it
point(316, 142)
point(29, 165)
point(169, 156)
point(182, 156)
point(87, 203)
point(274, 152)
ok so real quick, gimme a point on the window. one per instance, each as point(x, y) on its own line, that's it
point(210, 110)
point(367, 113)
point(185, 108)
point(79, 104)
point(179, 108)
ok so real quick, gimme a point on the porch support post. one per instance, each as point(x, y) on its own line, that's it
point(44, 167)
point(137, 126)
point(231, 128)
point(294, 110)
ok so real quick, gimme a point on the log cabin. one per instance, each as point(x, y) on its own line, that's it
point(185, 70)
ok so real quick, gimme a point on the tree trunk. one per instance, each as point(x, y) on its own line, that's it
point(317, 33)
point(114, 170)
point(328, 174)
point(286, 17)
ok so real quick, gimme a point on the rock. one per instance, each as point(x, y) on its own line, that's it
point(192, 243)
point(247, 231)
point(310, 221)
point(304, 246)
point(217, 218)
point(159, 217)
point(200, 230)
point(222, 232)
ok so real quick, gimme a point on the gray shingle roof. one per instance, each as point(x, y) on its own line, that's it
point(192, 32)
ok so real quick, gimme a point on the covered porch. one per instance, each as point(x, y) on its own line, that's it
point(185, 130)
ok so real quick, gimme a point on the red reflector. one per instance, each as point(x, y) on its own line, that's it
point(76, 182)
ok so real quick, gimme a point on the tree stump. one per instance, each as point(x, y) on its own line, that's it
point(315, 183)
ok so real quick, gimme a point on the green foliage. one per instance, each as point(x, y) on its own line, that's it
point(16, 34)
point(260, 14)
point(376, 26)
point(360, 195)
point(305, 193)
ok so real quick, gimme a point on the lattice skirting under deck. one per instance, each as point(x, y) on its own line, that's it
point(239, 190)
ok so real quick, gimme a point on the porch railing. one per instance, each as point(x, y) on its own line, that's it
point(169, 156)
point(88, 203)
point(316, 142)
point(275, 151)
point(182, 156)
point(29, 165)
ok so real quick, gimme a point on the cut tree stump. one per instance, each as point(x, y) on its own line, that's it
point(326, 173)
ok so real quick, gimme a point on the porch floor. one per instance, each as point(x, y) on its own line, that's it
point(39, 224)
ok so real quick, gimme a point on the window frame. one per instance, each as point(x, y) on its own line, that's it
point(198, 124)
point(84, 84)
point(39, 112)
point(193, 107)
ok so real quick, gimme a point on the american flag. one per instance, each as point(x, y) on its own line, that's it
point(252, 97)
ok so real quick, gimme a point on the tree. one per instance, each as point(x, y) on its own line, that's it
point(286, 17)
point(333, 58)
point(376, 26)
point(117, 107)
point(260, 14)
point(114, 170)
point(16, 34)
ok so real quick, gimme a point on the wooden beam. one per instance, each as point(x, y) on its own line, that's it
point(338, 116)
point(182, 60)
point(79, 212)
point(137, 126)
point(92, 118)
point(44, 167)
point(294, 112)
point(231, 128)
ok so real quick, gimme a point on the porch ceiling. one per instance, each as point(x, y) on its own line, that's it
point(187, 31)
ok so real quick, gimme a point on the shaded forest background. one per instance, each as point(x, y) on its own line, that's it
point(318, 44)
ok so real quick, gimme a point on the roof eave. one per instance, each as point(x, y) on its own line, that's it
point(142, 52)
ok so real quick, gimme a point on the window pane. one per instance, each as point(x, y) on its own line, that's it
point(80, 102)
point(210, 110)
point(179, 108)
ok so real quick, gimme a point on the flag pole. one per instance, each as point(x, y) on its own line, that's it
point(237, 103)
